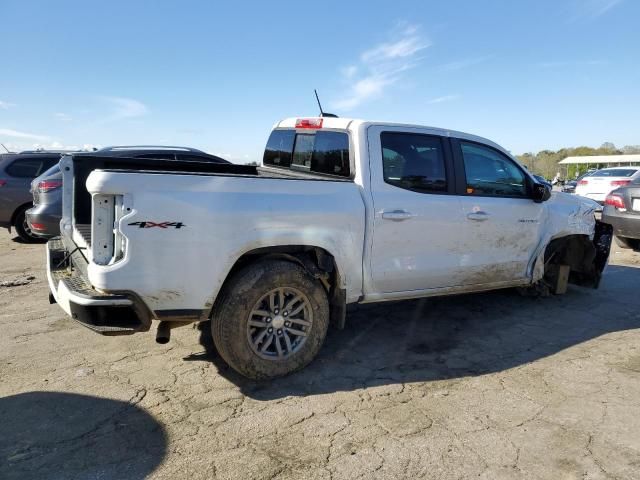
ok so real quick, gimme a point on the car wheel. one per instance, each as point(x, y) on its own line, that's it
point(624, 242)
point(23, 229)
point(270, 320)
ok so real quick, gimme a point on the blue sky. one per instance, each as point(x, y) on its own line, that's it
point(217, 75)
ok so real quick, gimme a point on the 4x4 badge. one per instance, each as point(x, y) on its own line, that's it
point(148, 224)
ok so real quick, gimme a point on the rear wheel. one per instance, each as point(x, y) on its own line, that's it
point(271, 319)
point(624, 242)
point(23, 229)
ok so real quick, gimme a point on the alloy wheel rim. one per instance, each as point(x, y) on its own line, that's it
point(279, 323)
point(27, 229)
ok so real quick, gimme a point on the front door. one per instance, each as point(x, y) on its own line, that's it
point(502, 222)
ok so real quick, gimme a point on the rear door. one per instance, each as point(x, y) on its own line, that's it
point(417, 222)
point(18, 176)
point(502, 224)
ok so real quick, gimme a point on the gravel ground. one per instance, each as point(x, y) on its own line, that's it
point(484, 386)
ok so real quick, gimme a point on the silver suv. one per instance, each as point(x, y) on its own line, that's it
point(44, 218)
point(16, 172)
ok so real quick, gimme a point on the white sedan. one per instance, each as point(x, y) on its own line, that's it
point(600, 183)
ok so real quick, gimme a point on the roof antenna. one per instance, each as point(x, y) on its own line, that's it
point(8, 151)
point(323, 114)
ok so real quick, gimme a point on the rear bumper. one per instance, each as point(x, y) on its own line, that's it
point(624, 225)
point(598, 197)
point(47, 223)
point(105, 313)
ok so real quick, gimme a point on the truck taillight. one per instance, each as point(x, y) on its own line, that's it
point(309, 123)
point(615, 201)
point(47, 185)
point(620, 183)
point(583, 182)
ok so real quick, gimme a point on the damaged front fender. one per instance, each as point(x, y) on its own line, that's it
point(574, 239)
point(585, 257)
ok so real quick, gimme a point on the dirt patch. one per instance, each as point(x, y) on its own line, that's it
point(18, 282)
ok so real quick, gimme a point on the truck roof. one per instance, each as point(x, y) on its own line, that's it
point(354, 123)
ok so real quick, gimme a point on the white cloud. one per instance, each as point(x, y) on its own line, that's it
point(403, 48)
point(125, 108)
point(380, 67)
point(466, 63)
point(571, 63)
point(8, 132)
point(364, 89)
point(62, 146)
point(349, 71)
point(6, 105)
point(592, 9)
point(62, 116)
point(445, 98)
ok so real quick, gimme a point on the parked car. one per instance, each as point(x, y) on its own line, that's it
point(622, 211)
point(342, 211)
point(570, 186)
point(16, 172)
point(601, 182)
point(44, 218)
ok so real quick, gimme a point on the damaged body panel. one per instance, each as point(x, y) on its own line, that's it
point(574, 238)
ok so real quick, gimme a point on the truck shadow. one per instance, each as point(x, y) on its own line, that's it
point(452, 337)
point(56, 435)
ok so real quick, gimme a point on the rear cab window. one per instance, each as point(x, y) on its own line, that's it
point(315, 151)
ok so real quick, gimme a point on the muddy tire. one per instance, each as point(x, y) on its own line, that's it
point(270, 320)
point(22, 228)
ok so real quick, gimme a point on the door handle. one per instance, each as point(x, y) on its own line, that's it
point(396, 215)
point(478, 216)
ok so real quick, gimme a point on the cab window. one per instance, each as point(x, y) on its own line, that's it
point(491, 173)
point(413, 162)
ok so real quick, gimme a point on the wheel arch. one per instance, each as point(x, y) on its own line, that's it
point(586, 257)
point(15, 212)
point(317, 261)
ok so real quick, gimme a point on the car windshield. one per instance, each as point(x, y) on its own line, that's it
point(615, 172)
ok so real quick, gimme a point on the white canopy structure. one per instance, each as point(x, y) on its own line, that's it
point(608, 160)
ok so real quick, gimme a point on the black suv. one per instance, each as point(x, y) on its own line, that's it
point(16, 172)
point(44, 218)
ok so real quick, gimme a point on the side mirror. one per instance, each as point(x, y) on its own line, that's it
point(541, 192)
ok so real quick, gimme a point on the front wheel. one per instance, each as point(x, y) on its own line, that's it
point(271, 319)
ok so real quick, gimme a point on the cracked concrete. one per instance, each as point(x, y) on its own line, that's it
point(487, 386)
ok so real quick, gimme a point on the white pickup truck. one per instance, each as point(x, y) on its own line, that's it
point(341, 211)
